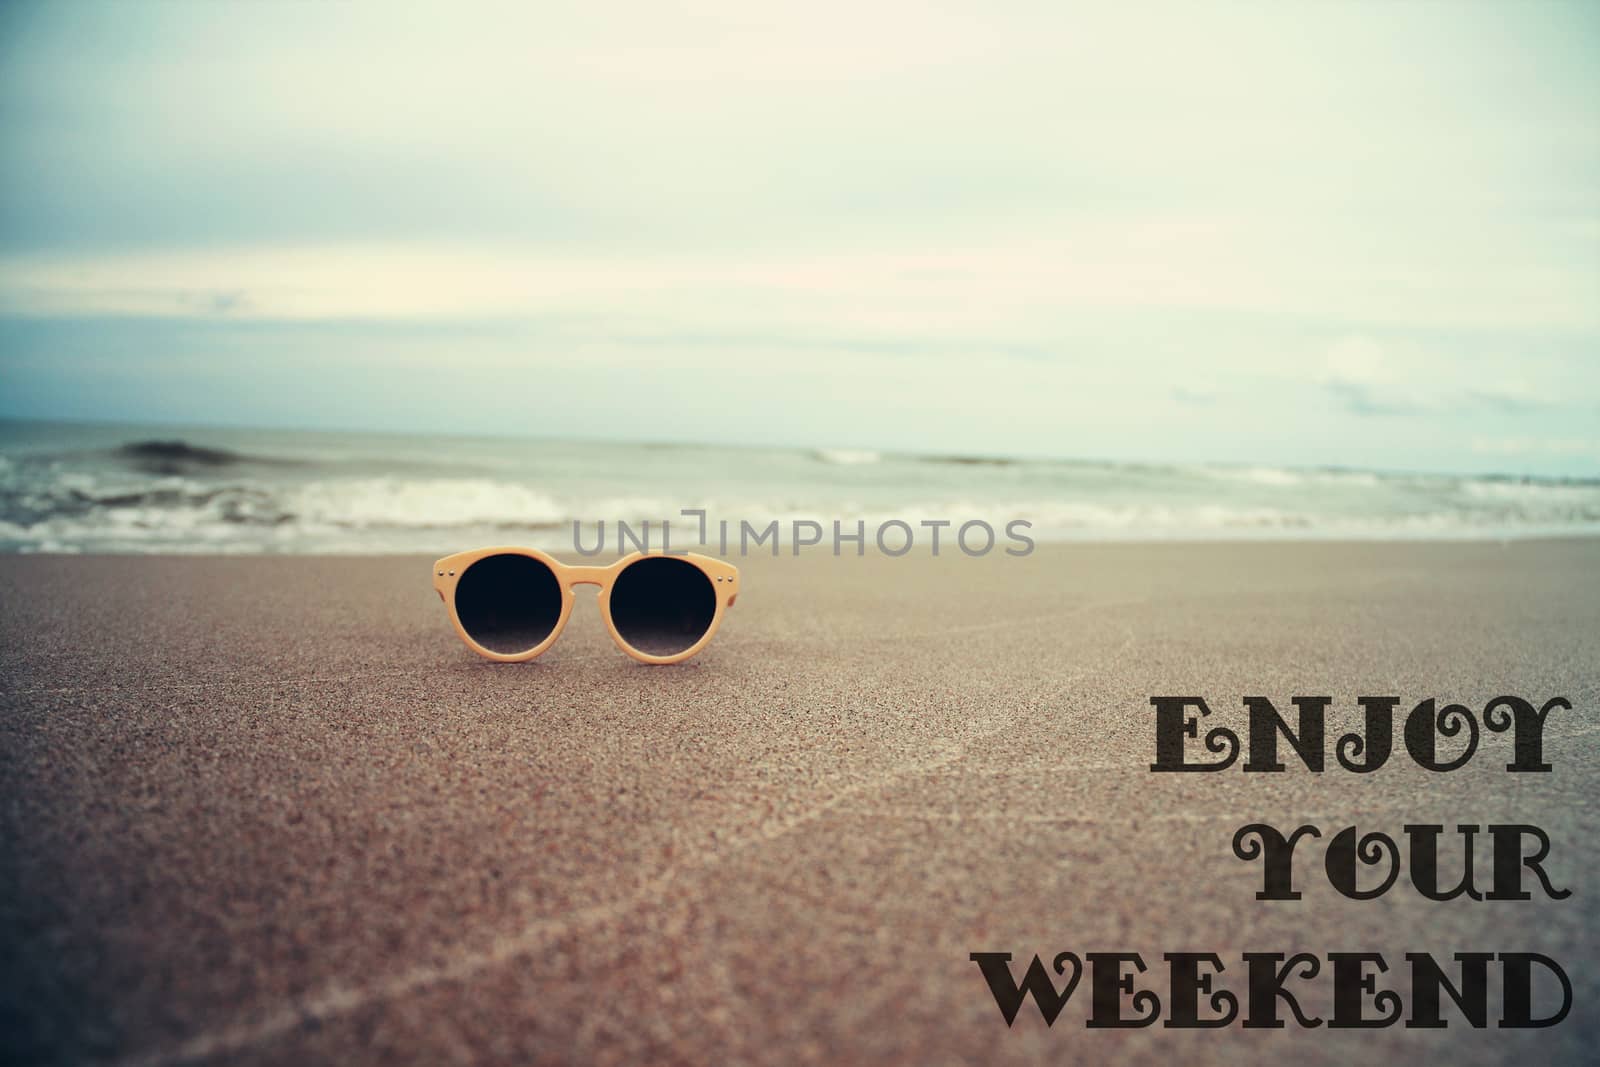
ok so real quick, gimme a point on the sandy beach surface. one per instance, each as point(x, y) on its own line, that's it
point(270, 810)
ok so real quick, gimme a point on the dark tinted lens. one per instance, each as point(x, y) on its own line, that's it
point(508, 603)
point(662, 605)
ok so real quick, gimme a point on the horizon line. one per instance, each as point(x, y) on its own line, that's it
point(968, 457)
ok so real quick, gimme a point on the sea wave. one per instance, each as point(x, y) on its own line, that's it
point(177, 456)
point(370, 494)
point(350, 503)
point(970, 461)
point(177, 452)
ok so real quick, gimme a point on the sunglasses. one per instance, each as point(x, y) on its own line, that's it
point(510, 604)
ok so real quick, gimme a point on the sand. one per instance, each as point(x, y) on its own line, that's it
point(268, 810)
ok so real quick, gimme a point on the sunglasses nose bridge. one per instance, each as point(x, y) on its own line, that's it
point(586, 575)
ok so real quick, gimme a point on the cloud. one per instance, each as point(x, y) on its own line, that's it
point(1006, 287)
point(1271, 182)
point(1510, 398)
point(1360, 374)
point(1194, 396)
point(1369, 378)
point(1368, 400)
point(216, 301)
point(1586, 447)
point(955, 208)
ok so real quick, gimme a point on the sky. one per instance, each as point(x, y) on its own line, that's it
point(1360, 234)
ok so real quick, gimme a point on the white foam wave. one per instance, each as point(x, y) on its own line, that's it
point(438, 502)
point(1538, 493)
point(847, 457)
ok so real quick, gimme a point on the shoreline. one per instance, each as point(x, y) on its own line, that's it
point(1044, 544)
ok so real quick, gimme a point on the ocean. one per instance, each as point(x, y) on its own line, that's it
point(170, 489)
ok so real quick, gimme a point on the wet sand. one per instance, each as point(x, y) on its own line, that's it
point(270, 810)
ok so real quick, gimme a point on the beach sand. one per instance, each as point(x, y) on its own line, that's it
point(269, 810)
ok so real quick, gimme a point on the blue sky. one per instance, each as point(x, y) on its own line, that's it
point(1356, 234)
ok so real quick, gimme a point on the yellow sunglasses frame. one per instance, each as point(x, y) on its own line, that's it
point(724, 578)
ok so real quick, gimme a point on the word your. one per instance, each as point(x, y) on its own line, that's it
point(1378, 850)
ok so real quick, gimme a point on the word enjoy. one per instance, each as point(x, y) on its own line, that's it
point(1360, 753)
